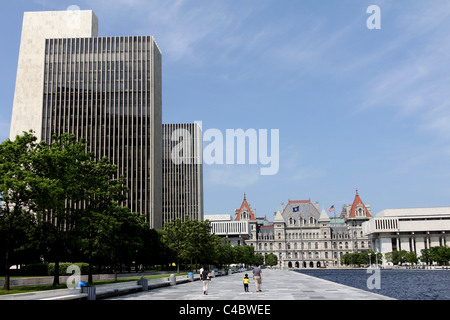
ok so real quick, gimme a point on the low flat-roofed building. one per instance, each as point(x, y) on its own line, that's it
point(222, 225)
point(412, 229)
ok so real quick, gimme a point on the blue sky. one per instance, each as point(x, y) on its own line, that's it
point(356, 108)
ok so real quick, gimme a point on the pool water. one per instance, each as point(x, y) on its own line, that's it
point(404, 284)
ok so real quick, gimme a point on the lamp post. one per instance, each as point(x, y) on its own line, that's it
point(370, 260)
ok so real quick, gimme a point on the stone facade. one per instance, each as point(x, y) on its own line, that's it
point(302, 237)
point(106, 90)
point(182, 177)
point(409, 229)
point(36, 28)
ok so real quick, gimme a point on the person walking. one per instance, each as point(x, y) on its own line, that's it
point(206, 278)
point(246, 283)
point(257, 276)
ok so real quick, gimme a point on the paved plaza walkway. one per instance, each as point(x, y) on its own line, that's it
point(276, 285)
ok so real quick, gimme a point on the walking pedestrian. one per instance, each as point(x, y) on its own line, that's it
point(246, 283)
point(206, 278)
point(257, 276)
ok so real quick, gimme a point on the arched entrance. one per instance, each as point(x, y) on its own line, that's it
point(311, 264)
point(297, 265)
point(290, 264)
point(304, 264)
point(318, 264)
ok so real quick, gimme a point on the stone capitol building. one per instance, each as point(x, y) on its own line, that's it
point(300, 235)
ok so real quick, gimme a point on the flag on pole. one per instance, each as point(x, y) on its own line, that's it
point(331, 208)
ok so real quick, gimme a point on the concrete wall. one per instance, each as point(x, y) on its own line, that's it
point(38, 26)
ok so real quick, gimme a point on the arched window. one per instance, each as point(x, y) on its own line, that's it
point(361, 212)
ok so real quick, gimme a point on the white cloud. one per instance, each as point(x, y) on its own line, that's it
point(416, 80)
point(189, 30)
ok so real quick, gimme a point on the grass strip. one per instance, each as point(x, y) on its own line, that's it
point(45, 287)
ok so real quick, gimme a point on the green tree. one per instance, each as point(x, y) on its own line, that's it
point(426, 256)
point(174, 239)
point(99, 213)
point(258, 259)
point(411, 257)
point(397, 257)
point(151, 251)
point(440, 254)
point(271, 259)
point(199, 242)
point(191, 240)
point(244, 255)
point(119, 237)
point(57, 193)
point(15, 194)
point(224, 252)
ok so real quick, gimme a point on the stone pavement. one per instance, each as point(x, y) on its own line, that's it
point(276, 285)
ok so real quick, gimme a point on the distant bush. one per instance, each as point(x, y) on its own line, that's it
point(84, 267)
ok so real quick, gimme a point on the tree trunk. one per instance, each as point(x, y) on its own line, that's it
point(90, 281)
point(56, 275)
point(6, 285)
point(90, 256)
point(90, 265)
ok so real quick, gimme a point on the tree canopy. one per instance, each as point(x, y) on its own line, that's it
point(61, 203)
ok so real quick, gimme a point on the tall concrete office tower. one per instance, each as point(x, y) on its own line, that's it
point(182, 171)
point(107, 90)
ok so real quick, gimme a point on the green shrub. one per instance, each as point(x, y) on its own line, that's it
point(84, 267)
